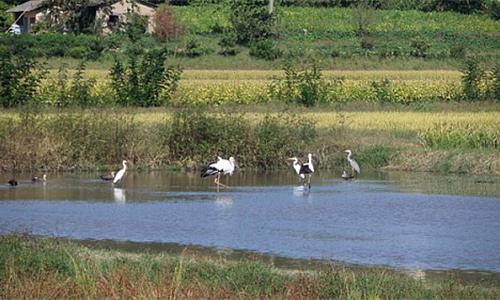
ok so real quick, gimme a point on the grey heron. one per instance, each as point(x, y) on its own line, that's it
point(221, 166)
point(352, 162)
point(109, 177)
point(120, 173)
point(303, 169)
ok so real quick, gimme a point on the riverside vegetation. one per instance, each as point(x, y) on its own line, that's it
point(50, 268)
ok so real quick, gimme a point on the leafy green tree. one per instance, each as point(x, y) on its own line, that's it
point(251, 20)
point(20, 78)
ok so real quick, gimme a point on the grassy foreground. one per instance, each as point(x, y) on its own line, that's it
point(45, 268)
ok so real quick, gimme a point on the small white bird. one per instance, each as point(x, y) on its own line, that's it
point(303, 169)
point(221, 166)
point(120, 173)
point(352, 162)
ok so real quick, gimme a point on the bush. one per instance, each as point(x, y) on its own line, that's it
point(144, 81)
point(471, 80)
point(496, 82)
point(265, 49)
point(194, 48)
point(78, 52)
point(367, 42)
point(458, 52)
point(420, 47)
point(165, 26)
point(251, 20)
point(305, 87)
point(228, 44)
point(20, 78)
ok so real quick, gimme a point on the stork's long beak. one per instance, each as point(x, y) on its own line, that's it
point(291, 159)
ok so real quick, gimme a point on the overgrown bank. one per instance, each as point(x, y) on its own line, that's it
point(48, 268)
point(460, 142)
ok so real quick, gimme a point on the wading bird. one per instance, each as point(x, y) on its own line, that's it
point(346, 176)
point(224, 166)
point(38, 179)
point(303, 169)
point(120, 173)
point(108, 177)
point(352, 162)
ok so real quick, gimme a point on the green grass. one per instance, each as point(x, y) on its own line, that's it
point(49, 268)
point(331, 40)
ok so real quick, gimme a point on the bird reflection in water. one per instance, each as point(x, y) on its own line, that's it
point(119, 195)
point(301, 191)
point(224, 200)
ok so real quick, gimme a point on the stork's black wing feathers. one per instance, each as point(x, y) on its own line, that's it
point(304, 169)
point(208, 171)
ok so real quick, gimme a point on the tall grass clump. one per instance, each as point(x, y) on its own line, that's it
point(67, 140)
point(461, 135)
point(471, 80)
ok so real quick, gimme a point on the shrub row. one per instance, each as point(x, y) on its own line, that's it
point(87, 139)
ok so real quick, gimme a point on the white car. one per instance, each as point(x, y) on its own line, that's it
point(15, 29)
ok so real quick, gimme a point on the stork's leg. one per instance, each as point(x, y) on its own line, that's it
point(309, 181)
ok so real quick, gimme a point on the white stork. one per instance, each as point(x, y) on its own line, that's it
point(303, 169)
point(352, 162)
point(120, 173)
point(221, 166)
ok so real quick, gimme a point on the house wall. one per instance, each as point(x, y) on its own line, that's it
point(29, 19)
point(121, 8)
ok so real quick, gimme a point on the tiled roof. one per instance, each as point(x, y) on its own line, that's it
point(27, 6)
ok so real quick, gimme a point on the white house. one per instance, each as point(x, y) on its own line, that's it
point(31, 12)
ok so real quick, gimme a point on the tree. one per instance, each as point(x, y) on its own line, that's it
point(251, 20)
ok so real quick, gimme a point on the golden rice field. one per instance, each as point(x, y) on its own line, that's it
point(236, 75)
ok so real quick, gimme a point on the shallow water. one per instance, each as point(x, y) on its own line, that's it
point(414, 221)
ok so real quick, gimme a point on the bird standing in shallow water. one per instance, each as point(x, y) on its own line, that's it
point(303, 169)
point(224, 166)
point(120, 173)
point(109, 177)
point(354, 165)
point(38, 179)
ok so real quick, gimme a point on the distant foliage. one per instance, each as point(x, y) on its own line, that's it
point(20, 77)
point(471, 80)
point(304, 87)
point(251, 20)
point(145, 80)
point(265, 49)
point(165, 25)
point(228, 43)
